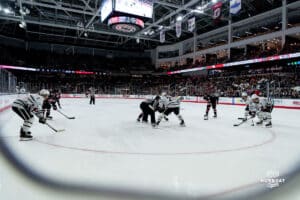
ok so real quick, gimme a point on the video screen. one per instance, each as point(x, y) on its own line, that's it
point(106, 9)
point(143, 8)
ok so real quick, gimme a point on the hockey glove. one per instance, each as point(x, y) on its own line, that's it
point(252, 114)
point(42, 120)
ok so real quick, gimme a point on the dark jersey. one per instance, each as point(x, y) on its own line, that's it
point(211, 99)
point(50, 101)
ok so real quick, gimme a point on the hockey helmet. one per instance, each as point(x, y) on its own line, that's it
point(157, 98)
point(255, 98)
point(163, 94)
point(44, 93)
point(244, 94)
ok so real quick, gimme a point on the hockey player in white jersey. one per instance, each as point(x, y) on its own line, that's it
point(171, 104)
point(263, 107)
point(26, 108)
point(247, 100)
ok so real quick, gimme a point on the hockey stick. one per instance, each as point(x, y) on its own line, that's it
point(54, 129)
point(244, 121)
point(65, 115)
point(240, 123)
point(241, 118)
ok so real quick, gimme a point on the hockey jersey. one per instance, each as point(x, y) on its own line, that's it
point(170, 102)
point(152, 103)
point(31, 103)
point(264, 104)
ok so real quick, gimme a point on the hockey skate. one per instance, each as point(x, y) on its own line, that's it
point(25, 136)
point(269, 125)
point(49, 117)
point(206, 117)
point(153, 125)
point(259, 122)
point(182, 123)
point(215, 115)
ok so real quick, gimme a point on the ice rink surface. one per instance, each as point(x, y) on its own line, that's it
point(105, 145)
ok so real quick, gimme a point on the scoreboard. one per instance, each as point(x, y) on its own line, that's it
point(135, 8)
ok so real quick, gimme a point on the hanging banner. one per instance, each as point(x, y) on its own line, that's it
point(162, 36)
point(178, 29)
point(217, 11)
point(191, 24)
point(235, 6)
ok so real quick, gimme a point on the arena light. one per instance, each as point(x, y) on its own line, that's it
point(179, 18)
point(199, 11)
point(17, 68)
point(24, 11)
point(22, 24)
point(7, 11)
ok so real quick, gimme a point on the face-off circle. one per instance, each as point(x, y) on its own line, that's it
point(125, 24)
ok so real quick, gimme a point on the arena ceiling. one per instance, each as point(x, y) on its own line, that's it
point(77, 22)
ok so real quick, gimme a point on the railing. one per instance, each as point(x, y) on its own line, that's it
point(8, 82)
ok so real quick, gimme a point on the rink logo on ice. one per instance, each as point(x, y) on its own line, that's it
point(272, 179)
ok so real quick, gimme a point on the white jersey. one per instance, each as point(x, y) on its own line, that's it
point(247, 101)
point(171, 102)
point(32, 103)
point(92, 91)
point(254, 107)
point(261, 105)
point(265, 102)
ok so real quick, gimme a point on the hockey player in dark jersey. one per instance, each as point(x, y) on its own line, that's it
point(212, 101)
point(148, 107)
point(48, 103)
point(26, 108)
point(56, 97)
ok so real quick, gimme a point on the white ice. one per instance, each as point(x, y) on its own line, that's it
point(105, 145)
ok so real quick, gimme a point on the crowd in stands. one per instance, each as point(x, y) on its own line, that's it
point(70, 61)
point(252, 52)
point(228, 83)
point(231, 82)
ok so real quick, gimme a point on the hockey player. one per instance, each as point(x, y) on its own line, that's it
point(49, 102)
point(57, 97)
point(156, 108)
point(148, 107)
point(212, 101)
point(26, 108)
point(264, 107)
point(247, 100)
point(171, 105)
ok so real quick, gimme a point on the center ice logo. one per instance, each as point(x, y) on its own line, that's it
point(272, 179)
